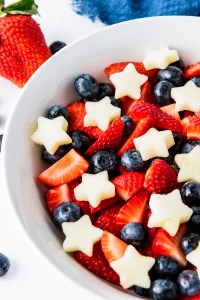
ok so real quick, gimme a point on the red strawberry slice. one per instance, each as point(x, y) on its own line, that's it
point(170, 110)
point(141, 128)
point(195, 297)
point(77, 113)
point(109, 140)
point(160, 177)
point(113, 248)
point(68, 168)
point(104, 204)
point(192, 70)
point(151, 231)
point(122, 170)
point(191, 127)
point(162, 120)
point(57, 196)
point(133, 210)
point(97, 264)
point(164, 244)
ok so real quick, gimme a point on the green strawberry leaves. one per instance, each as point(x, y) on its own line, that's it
point(25, 7)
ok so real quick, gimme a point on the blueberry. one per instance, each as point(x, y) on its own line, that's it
point(4, 264)
point(104, 160)
point(179, 64)
point(196, 80)
point(163, 289)
point(172, 74)
point(132, 160)
point(188, 282)
point(134, 234)
point(84, 100)
point(57, 111)
point(162, 92)
point(191, 193)
point(189, 242)
point(67, 212)
point(80, 140)
point(141, 291)
point(179, 139)
point(86, 86)
point(190, 145)
point(176, 168)
point(62, 150)
point(128, 125)
point(196, 210)
point(115, 102)
point(56, 46)
point(165, 267)
point(105, 89)
point(194, 222)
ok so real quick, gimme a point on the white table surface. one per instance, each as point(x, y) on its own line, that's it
point(31, 276)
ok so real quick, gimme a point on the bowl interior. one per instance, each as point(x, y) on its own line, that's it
point(53, 84)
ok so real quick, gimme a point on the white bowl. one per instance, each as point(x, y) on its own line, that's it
point(53, 84)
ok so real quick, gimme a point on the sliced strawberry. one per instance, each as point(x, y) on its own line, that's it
point(192, 70)
point(109, 140)
point(164, 244)
point(122, 170)
point(151, 231)
point(160, 177)
point(128, 184)
point(57, 196)
point(133, 210)
point(104, 204)
point(195, 297)
point(68, 168)
point(97, 264)
point(191, 127)
point(162, 120)
point(113, 248)
point(141, 128)
point(77, 113)
point(170, 110)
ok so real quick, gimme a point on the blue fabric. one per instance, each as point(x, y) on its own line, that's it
point(115, 11)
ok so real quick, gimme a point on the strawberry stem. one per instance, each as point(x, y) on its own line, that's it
point(24, 7)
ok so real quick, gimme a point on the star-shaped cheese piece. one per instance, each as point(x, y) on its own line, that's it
point(154, 143)
point(168, 211)
point(194, 258)
point(128, 82)
point(160, 59)
point(95, 188)
point(101, 113)
point(51, 133)
point(189, 165)
point(81, 235)
point(133, 268)
point(187, 97)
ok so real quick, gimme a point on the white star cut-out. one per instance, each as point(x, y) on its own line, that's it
point(189, 165)
point(194, 258)
point(81, 235)
point(160, 59)
point(51, 133)
point(95, 188)
point(101, 113)
point(168, 211)
point(147, 146)
point(133, 268)
point(128, 82)
point(187, 97)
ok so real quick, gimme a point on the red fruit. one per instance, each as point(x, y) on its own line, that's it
point(133, 210)
point(113, 248)
point(77, 113)
point(109, 140)
point(128, 184)
point(162, 120)
point(68, 168)
point(164, 244)
point(170, 110)
point(195, 297)
point(160, 177)
point(58, 195)
point(192, 70)
point(141, 128)
point(151, 231)
point(104, 204)
point(191, 127)
point(97, 264)
point(122, 170)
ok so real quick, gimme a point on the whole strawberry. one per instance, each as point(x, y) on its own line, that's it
point(22, 45)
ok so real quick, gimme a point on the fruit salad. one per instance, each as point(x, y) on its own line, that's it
point(124, 174)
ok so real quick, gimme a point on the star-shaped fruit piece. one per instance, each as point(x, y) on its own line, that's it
point(81, 235)
point(189, 165)
point(101, 113)
point(154, 143)
point(95, 188)
point(160, 59)
point(168, 211)
point(128, 82)
point(51, 133)
point(133, 268)
point(194, 258)
point(187, 97)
